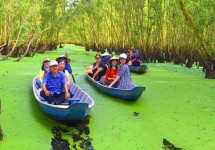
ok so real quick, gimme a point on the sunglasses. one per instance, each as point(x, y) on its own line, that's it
point(97, 57)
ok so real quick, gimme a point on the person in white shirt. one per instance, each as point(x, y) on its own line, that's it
point(61, 67)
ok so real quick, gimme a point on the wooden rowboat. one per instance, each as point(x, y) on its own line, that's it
point(124, 94)
point(78, 110)
point(138, 69)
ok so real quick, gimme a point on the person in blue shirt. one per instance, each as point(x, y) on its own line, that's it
point(54, 87)
point(105, 57)
point(136, 59)
point(124, 76)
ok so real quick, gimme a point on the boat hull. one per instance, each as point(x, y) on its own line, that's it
point(124, 94)
point(76, 111)
point(138, 69)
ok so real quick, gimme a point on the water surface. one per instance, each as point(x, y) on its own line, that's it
point(177, 110)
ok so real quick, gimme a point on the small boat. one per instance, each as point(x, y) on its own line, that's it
point(138, 69)
point(78, 110)
point(124, 94)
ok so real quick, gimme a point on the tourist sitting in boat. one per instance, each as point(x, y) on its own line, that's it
point(67, 62)
point(54, 87)
point(61, 67)
point(123, 77)
point(99, 69)
point(112, 72)
point(136, 59)
point(129, 54)
point(105, 57)
point(43, 70)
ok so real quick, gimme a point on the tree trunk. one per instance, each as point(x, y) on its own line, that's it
point(204, 53)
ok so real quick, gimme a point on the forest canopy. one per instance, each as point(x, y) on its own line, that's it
point(176, 31)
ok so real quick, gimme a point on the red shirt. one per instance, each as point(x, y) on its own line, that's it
point(111, 73)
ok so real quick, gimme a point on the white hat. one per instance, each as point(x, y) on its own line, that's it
point(52, 63)
point(46, 59)
point(105, 54)
point(123, 55)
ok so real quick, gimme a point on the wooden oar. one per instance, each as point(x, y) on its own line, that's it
point(73, 78)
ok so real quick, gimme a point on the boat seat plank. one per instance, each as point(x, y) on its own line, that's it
point(42, 99)
point(72, 94)
point(72, 100)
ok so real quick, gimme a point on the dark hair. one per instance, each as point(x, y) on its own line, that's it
point(98, 55)
point(67, 60)
point(42, 67)
point(112, 65)
point(61, 60)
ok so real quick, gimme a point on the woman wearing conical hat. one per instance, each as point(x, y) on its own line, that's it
point(112, 71)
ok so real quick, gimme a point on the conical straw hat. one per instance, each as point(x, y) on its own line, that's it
point(114, 57)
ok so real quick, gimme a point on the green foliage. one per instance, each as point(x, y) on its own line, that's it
point(107, 23)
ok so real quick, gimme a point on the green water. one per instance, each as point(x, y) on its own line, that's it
point(178, 105)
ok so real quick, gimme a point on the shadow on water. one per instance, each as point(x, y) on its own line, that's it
point(170, 146)
point(136, 113)
point(77, 131)
point(79, 136)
